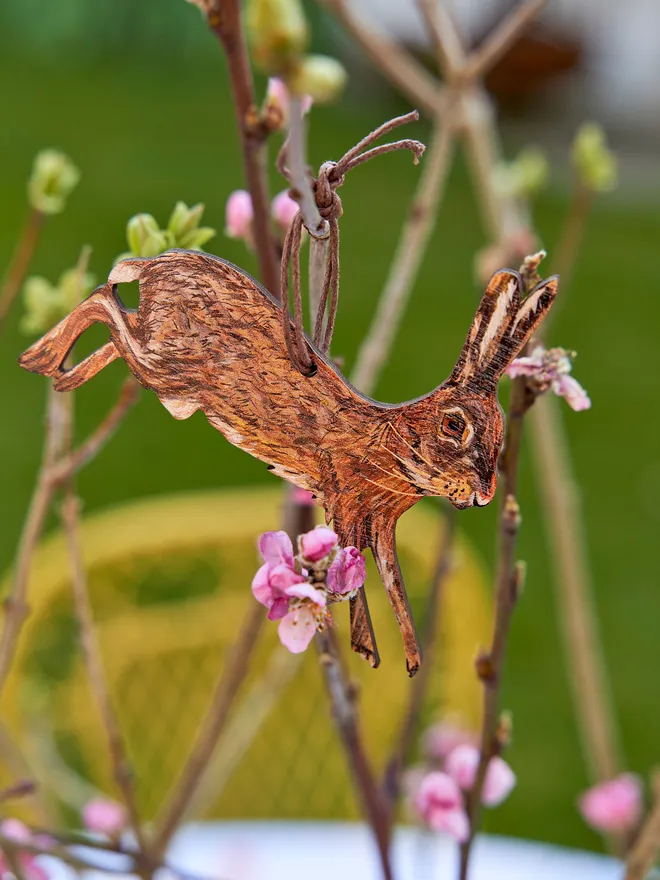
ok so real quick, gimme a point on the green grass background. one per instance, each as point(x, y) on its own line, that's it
point(142, 106)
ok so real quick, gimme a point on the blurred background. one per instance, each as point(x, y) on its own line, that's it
point(137, 95)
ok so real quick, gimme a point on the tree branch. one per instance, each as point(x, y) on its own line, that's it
point(502, 39)
point(403, 71)
point(235, 667)
point(420, 683)
point(225, 20)
point(94, 664)
point(447, 43)
point(644, 851)
point(343, 702)
point(21, 260)
point(415, 235)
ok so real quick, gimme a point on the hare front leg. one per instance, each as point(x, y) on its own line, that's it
point(383, 547)
point(363, 640)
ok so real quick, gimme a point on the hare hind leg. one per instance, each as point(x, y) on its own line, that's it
point(47, 355)
point(68, 380)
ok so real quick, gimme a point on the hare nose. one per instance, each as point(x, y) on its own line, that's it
point(481, 499)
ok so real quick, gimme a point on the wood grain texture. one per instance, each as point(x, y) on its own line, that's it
point(207, 336)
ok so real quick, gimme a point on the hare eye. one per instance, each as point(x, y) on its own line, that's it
point(452, 425)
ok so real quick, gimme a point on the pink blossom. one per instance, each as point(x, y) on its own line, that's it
point(315, 545)
point(276, 548)
point(104, 816)
point(440, 739)
point(613, 806)
point(283, 209)
point(270, 585)
point(278, 96)
point(549, 369)
point(439, 802)
point(238, 216)
point(15, 830)
point(303, 497)
point(462, 763)
point(572, 392)
point(347, 571)
point(297, 628)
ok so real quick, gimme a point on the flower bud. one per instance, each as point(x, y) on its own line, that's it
point(283, 209)
point(184, 220)
point(318, 76)
point(238, 215)
point(614, 806)
point(145, 238)
point(595, 164)
point(525, 176)
point(53, 178)
point(317, 544)
point(277, 33)
point(104, 816)
point(278, 99)
point(46, 303)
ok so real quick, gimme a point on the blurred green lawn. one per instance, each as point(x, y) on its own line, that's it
point(145, 137)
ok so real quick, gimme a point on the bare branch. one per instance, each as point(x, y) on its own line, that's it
point(500, 41)
point(21, 260)
point(71, 463)
point(644, 851)
point(377, 345)
point(342, 699)
point(447, 43)
point(561, 504)
point(225, 20)
point(234, 670)
point(420, 684)
point(403, 71)
point(94, 664)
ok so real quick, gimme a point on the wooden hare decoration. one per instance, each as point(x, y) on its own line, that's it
point(207, 336)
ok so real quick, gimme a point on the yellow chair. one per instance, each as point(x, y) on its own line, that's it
point(169, 580)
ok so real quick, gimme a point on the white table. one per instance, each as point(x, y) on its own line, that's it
point(344, 851)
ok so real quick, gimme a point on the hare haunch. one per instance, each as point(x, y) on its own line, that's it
point(207, 336)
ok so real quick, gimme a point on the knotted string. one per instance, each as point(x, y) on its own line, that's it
point(324, 187)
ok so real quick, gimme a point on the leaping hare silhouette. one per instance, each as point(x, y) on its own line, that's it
point(207, 336)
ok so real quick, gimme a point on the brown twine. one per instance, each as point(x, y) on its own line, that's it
point(331, 177)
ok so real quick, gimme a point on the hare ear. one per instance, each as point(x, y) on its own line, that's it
point(501, 327)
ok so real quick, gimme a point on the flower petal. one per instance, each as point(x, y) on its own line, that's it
point(306, 591)
point(318, 543)
point(571, 390)
point(499, 783)
point(297, 629)
point(347, 571)
point(276, 547)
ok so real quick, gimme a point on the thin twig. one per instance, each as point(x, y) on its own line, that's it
point(21, 260)
point(16, 608)
point(300, 179)
point(235, 667)
point(225, 19)
point(560, 502)
point(502, 39)
point(644, 852)
point(447, 44)
point(75, 460)
point(420, 684)
point(407, 75)
point(22, 788)
point(508, 585)
point(377, 345)
point(343, 699)
point(94, 664)
point(565, 254)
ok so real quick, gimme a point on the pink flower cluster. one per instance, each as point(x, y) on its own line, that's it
point(613, 807)
point(239, 215)
point(239, 211)
point(549, 369)
point(297, 590)
point(439, 794)
point(104, 816)
point(15, 830)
